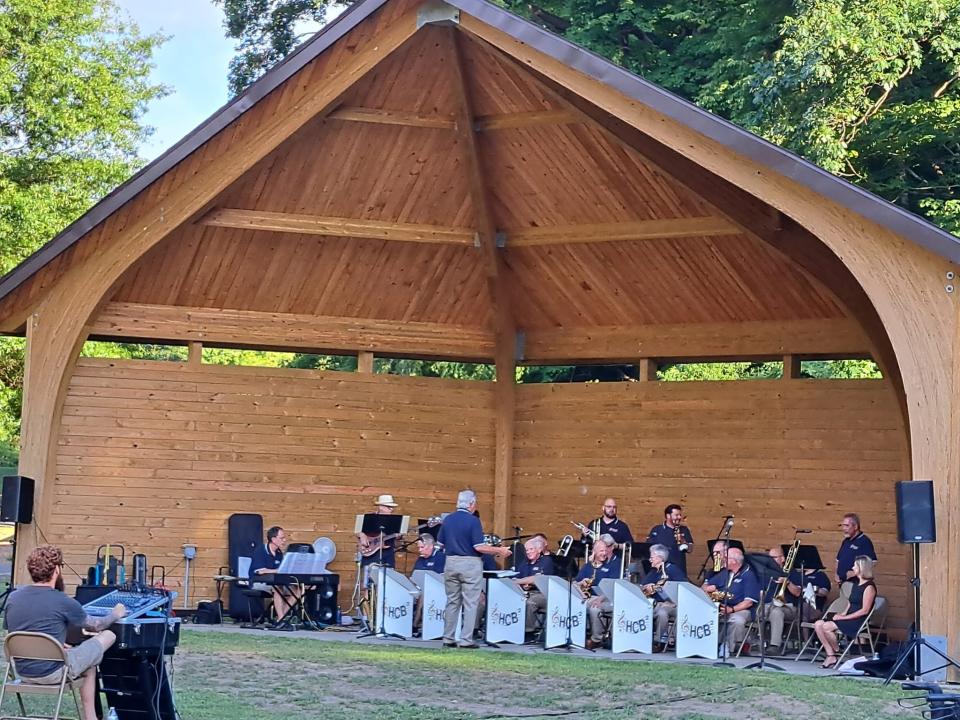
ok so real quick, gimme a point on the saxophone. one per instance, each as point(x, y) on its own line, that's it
point(780, 598)
point(717, 561)
point(720, 596)
point(679, 539)
point(588, 582)
point(658, 585)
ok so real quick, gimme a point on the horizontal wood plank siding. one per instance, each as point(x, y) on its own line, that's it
point(163, 453)
point(777, 455)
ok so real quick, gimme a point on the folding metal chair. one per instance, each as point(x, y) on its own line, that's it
point(838, 605)
point(863, 632)
point(35, 646)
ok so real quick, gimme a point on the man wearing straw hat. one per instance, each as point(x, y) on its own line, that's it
point(385, 506)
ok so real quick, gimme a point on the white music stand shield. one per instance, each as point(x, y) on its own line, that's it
point(434, 601)
point(698, 623)
point(561, 596)
point(632, 622)
point(506, 611)
point(398, 596)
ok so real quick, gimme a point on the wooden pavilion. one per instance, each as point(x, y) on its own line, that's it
point(446, 180)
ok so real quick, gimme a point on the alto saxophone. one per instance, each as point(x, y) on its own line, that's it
point(679, 539)
point(588, 582)
point(717, 561)
point(658, 585)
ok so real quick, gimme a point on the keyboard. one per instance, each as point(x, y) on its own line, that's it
point(137, 603)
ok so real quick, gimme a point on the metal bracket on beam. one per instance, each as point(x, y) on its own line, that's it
point(501, 239)
point(437, 13)
point(476, 239)
point(520, 350)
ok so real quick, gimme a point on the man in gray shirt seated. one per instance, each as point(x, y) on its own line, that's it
point(44, 608)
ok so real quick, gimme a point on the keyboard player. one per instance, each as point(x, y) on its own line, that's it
point(43, 607)
point(265, 561)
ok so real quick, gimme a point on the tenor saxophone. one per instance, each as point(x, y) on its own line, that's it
point(658, 585)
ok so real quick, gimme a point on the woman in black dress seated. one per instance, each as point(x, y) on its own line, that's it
point(849, 622)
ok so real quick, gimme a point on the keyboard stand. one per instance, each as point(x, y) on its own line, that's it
point(296, 617)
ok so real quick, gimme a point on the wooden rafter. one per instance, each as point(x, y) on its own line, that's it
point(337, 226)
point(520, 237)
point(482, 123)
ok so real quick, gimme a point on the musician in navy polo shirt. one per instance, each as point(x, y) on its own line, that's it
point(854, 543)
point(798, 599)
point(666, 534)
point(661, 571)
point(603, 564)
point(536, 563)
point(265, 561)
point(462, 538)
point(609, 524)
point(744, 589)
point(430, 557)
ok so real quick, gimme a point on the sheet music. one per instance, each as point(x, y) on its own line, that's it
point(303, 564)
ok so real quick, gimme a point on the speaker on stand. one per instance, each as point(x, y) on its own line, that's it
point(16, 506)
point(916, 525)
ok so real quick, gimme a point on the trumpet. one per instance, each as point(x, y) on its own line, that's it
point(565, 544)
point(587, 582)
point(491, 539)
point(587, 532)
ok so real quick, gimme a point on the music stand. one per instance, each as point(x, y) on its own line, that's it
point(808, 558)
point(641, 559)
point(768, 572)
point(381, 526)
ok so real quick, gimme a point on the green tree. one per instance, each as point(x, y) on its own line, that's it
point(267, 30)
point(74, 83)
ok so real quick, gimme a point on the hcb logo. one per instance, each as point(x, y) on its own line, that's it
point(504, 618)
point(558, 620)
point(400, 611)
point(633, 627)
point(434, 612)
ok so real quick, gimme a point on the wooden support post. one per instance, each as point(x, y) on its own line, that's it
point(791, 367)
point(195, 356)
point(365, 362)
point(648, 369)
point(503, 324)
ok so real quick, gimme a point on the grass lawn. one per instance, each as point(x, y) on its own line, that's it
point(255, 677)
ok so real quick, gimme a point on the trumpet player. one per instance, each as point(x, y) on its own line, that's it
point(804, 594)
point(608, 524)
point(674, 535)
point(602, 565)
point(661, 571)
point(536, 563)
point(743, 591)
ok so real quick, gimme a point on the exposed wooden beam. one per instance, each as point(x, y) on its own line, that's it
point(612, 232)
point(336, 226)
point(393, 117)
point(247, 328)
point(269, 221)
point(502, 317)
point(195, 356)
point(365, 362)
point(483, 123)
point(715, 341)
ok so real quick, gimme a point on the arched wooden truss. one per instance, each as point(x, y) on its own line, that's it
point(445, 180)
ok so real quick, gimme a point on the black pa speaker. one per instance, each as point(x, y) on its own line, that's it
point(244, 534)
point(16, 503)
point(916, 520)
point(321, 602)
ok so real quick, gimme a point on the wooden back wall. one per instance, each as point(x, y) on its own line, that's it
point(777, 454)
point(153, 455)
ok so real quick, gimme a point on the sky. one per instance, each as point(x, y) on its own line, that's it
point(193, 64)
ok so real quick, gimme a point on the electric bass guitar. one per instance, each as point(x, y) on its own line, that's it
point(372, 546)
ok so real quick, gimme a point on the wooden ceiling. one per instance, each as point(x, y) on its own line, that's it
point(388, 156)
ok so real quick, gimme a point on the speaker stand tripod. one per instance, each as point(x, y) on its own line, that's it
point(916, 642)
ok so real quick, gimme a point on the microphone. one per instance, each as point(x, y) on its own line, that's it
point(730, 521)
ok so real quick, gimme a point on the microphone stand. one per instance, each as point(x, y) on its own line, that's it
point(723, 534)
point(761, 617)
